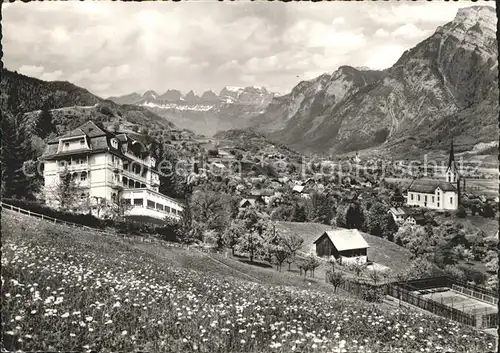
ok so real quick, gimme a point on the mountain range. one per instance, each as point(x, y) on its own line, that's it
point(232, 108)
point(446, 86)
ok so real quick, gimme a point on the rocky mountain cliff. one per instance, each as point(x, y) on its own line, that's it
point(445, 86)
point(232, 108)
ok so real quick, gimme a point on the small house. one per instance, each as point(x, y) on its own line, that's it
point(347, 245)
point(398, 214)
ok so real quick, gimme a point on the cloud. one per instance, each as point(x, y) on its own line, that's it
point(51, 76)
point(31, 70)
point(114, 48)
point(385, 57)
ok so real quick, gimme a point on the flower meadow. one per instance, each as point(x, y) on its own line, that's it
point(70, 290)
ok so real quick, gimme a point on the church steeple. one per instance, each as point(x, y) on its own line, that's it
point(451, 171)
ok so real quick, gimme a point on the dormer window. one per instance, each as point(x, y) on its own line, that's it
point(66, 145)
point(114, 143)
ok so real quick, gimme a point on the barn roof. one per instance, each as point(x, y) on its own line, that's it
point(345, 239)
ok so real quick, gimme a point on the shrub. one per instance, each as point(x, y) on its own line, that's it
point(373, 294)
point(83, 219)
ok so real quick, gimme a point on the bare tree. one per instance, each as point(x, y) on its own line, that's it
point(293, 243)
point(336, 278)
point(66, 192)
point(374, 275)
point(313, 263)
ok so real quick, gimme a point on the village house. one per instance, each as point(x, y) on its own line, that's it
point(251, 201)
point(265, 194)
point(434, 193)
point(108, 169)
point(345, 245)
point(407, 215)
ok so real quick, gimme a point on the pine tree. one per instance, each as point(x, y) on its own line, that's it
point(16, 149)
point(45, 124)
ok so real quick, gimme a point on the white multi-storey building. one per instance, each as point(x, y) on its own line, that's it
point(434, 193)
point(108, 168)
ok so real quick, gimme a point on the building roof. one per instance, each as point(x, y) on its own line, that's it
point(262, 192)
point(397, 211)
point(298, 188)
point(429, 186)
point(345, 239)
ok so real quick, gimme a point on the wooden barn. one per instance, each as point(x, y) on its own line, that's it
point(345, 244)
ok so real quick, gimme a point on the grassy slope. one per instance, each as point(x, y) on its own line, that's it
point(91, 273)
point(381, 251)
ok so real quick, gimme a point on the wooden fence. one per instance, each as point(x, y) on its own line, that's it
point(130, 237)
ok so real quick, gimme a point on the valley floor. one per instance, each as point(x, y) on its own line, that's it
point(69, 289)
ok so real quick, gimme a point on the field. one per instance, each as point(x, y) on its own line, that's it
point(461, 302)
point(487, 187)
point(381, 251)
point(68, 289)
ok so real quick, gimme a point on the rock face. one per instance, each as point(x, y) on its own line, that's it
point(445, 86)
point(232, 108)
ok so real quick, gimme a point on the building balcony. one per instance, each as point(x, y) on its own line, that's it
point(79, 167)
point(149, 203)
point(144, 161)
point(134, 176)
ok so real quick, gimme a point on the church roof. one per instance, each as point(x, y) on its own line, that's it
point(429, 186)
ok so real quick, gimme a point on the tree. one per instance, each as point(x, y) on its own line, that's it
point(292, 242)
point(66, 191)
point(455, 272)
point(461, 213)
point(233, 234)
point(357, 267)
point(299, 213)
point(336, 278)
point(250, 242)
point(420, 268)
point(374, 275)
point(354, 216)
point(45, 124)
point(280, 254)
point(321, 208)
point(16, 149)
point(312, 263)
point(211, 208)
point(376, 220)
point(254, 224)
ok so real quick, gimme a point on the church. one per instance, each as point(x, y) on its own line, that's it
point(437, 194)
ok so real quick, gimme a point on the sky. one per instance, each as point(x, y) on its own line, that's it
point(116, 48)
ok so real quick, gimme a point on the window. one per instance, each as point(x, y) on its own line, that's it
point(83, 176)
point(159, 207)
point(432, 199)
point(113, 197)
point(438, 203)
point(66, 145)
point(418, 197)
point(127, 201)
point(151, 204)
point(168, 209)
point(139, 202)
point(82, 195)
point(451, 200)
point(82, 143)
point(425, 198)
point(411, 197)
